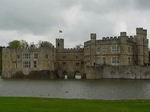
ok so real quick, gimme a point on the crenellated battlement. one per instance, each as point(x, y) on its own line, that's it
point(59, 39)
point(110, 38)
point(59, 43)
point(131, 38)
point(71, 50)
point(117, 38)
point(141, 31)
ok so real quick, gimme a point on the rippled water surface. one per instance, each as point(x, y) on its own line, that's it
point(85, 89)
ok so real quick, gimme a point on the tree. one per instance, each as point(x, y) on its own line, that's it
point(79, 46)
point(44, 44)
point(15, 44)
point(24, 44)
point(18, 44)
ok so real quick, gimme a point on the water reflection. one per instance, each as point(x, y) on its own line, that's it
point(86, 89)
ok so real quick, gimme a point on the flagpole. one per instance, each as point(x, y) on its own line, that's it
point(60, 34)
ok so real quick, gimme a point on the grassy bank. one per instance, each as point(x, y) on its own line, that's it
point(12, 104)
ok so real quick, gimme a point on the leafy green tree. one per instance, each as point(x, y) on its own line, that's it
point(44, 44)
point(18, 44)
point(15, 44)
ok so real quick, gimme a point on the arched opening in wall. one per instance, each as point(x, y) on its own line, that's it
point(59, 74)
point(65, 74)
point(77, 75)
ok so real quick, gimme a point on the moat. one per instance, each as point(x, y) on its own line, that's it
point(85, 89)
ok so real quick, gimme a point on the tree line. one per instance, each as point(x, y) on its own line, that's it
point(23, 44)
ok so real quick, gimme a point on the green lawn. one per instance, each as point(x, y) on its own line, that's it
point(13, 104)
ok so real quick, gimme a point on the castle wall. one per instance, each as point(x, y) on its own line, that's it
point(123, 50)
point(103, 51)
point(70, 61)
point(27, 60)
point(118, 72)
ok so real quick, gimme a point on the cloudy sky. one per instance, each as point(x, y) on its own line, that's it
point(34, 20)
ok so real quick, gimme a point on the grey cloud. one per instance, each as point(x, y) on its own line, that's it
point(107, 6)
point(142, 4)
point(31, 15)
point(43, 17)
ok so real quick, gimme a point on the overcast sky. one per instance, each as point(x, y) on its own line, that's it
point(34, 20)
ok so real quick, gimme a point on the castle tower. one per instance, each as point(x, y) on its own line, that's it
point(123, 37)
point(93, 49)
point(142, 46)
point(146, 43)
point(123, 46)
point(59, 43)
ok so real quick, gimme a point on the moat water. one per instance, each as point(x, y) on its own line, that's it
point(85, 89)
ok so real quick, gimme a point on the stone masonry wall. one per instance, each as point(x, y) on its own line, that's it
point(118, 72)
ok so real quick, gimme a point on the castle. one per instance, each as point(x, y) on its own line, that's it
point(123, 50)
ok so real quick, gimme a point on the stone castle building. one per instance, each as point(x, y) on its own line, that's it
point(123, 50)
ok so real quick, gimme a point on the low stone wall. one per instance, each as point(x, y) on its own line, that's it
point(118, 72)
point(45, 74)
point(97, 72)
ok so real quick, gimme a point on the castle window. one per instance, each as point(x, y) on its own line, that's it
point(64, 63)
point(98, 50)
point(64, 57)
point(104, 60)
point(36, 55)
point(77, 64)
point(82, 62)
point(58, 44)
point(26, 64)
point(76, 57)
point(98, 61)
point(26, 56)
point(115, 60)
point(129, 60)
point(35, 64)
point(129, 49)
point(115, 49)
